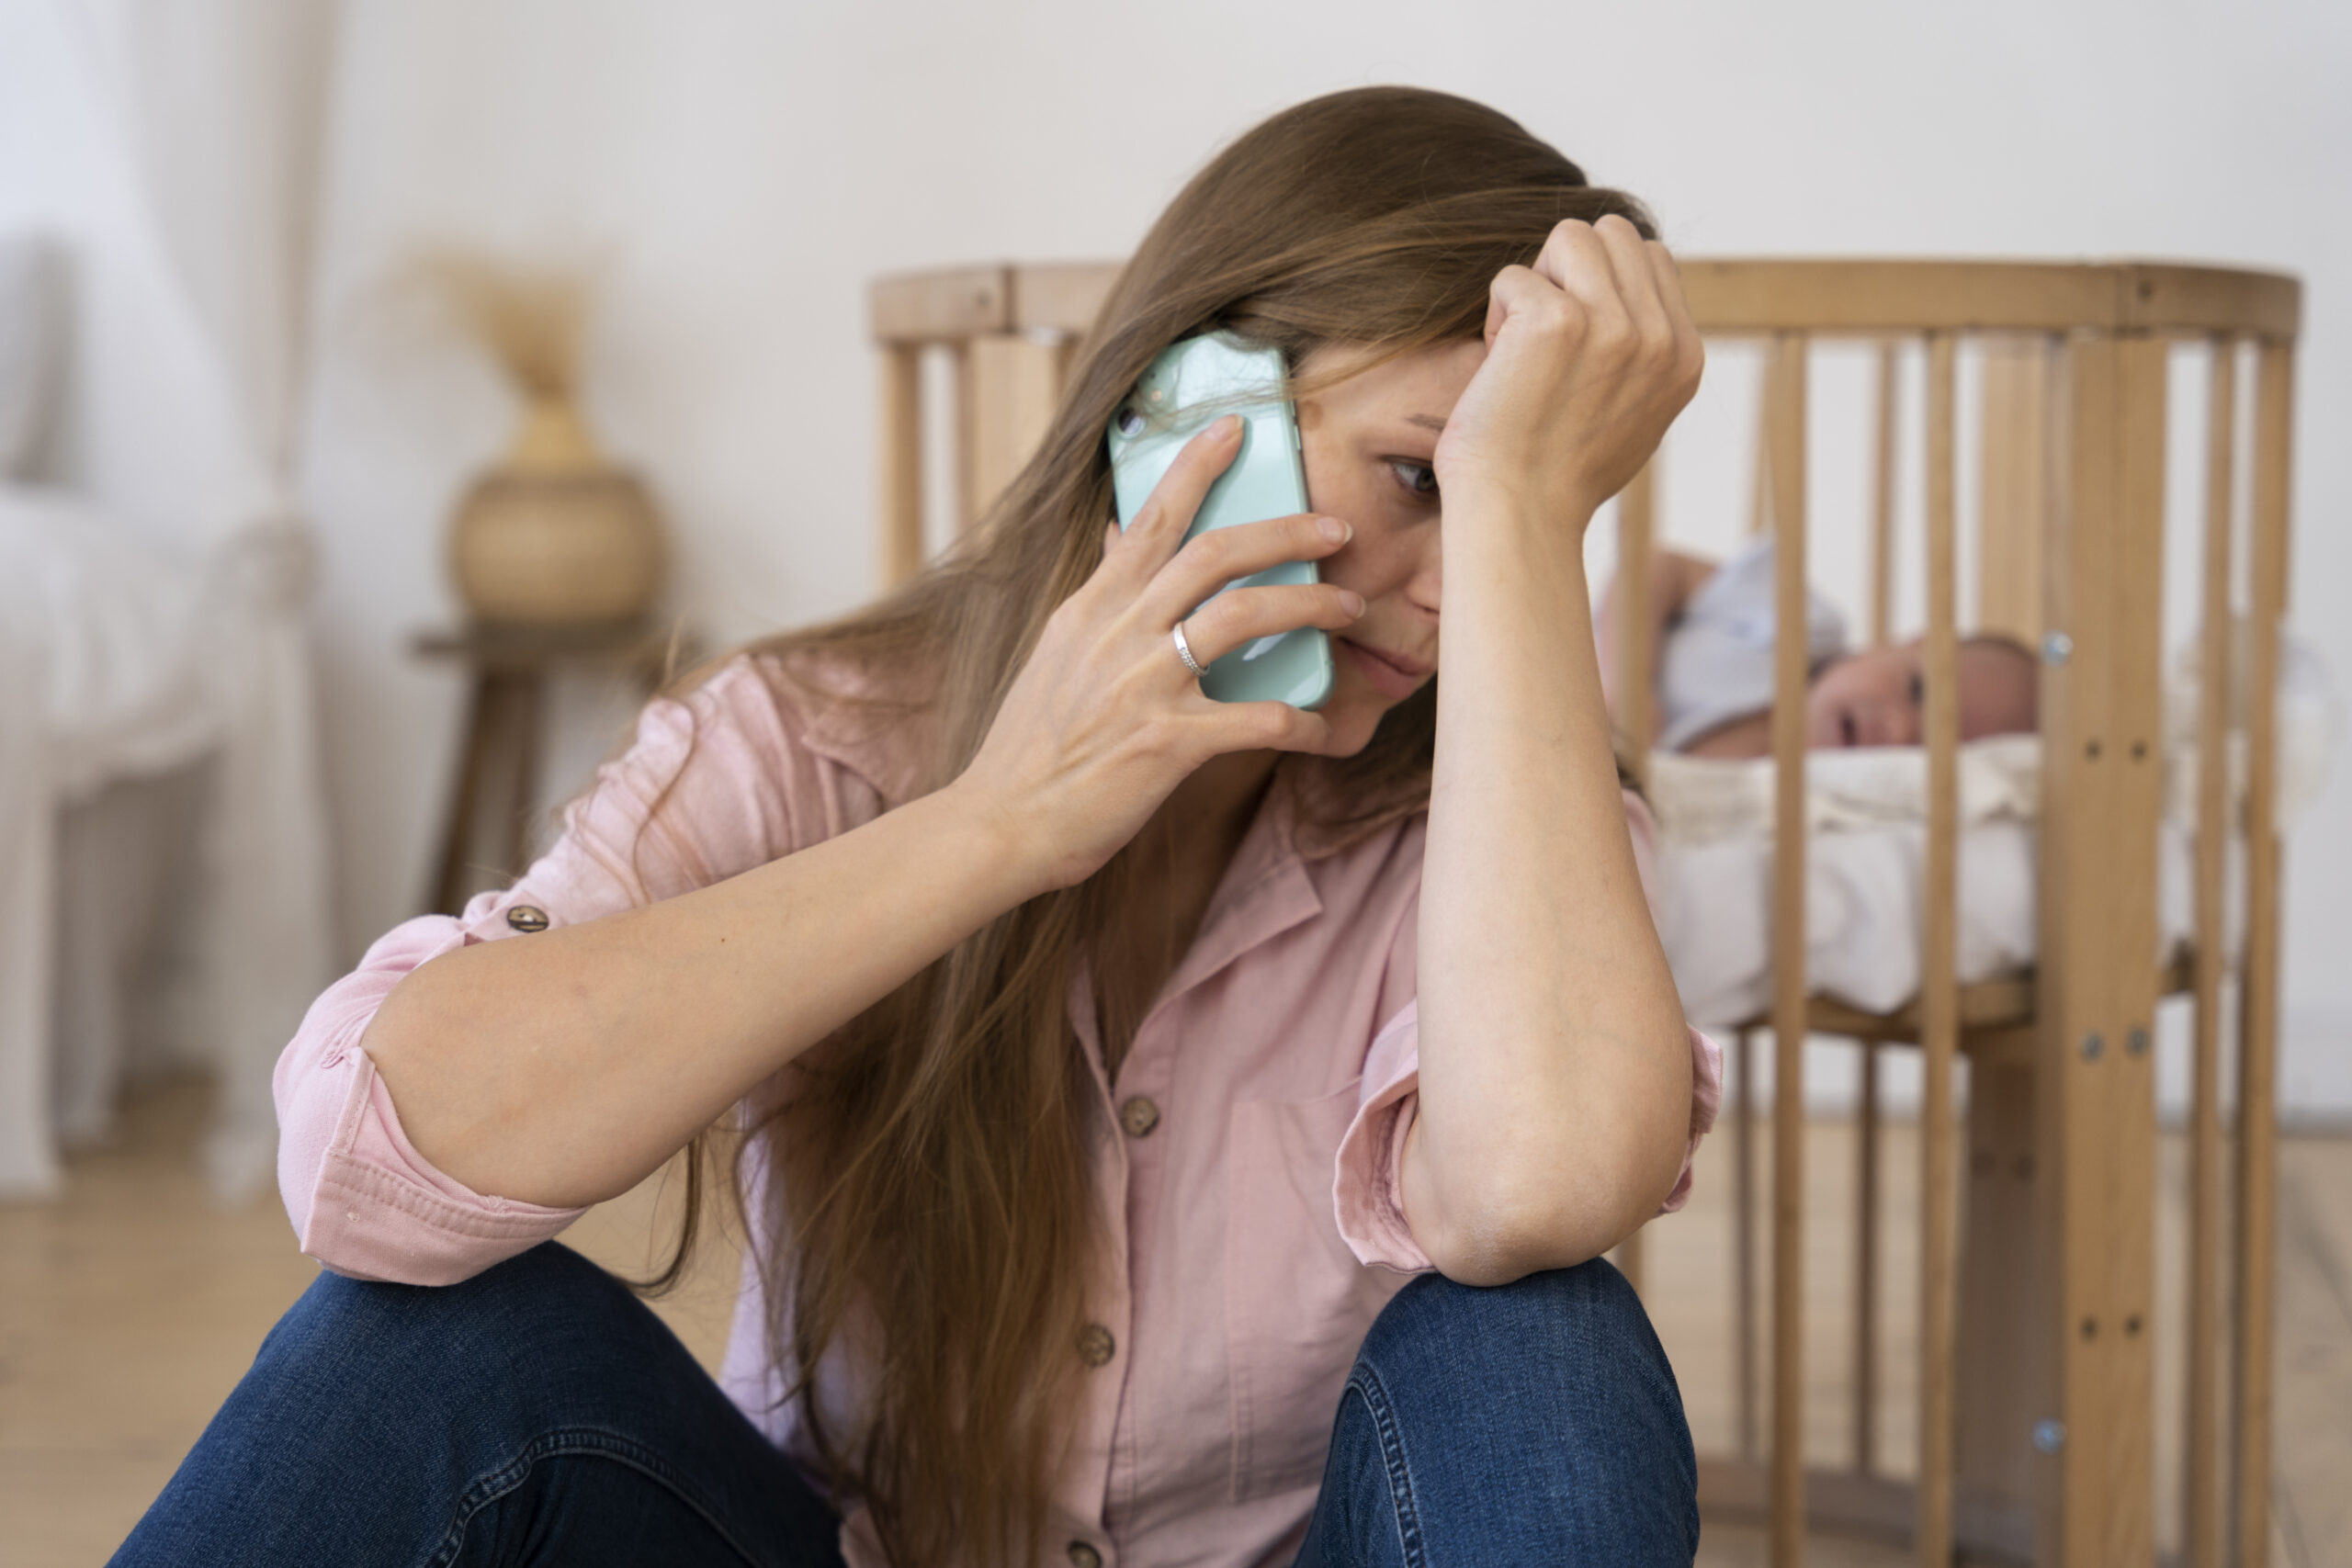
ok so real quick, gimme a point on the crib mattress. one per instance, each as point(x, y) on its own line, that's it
point(1863, 911)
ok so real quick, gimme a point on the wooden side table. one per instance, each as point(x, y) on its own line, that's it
point(485, 830)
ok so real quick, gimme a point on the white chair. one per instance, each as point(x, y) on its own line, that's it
point(119, 746)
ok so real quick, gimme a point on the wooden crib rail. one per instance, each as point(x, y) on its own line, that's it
point(2036, 1383)
point(1888, 297)
point(1009, 329)
point(1865, 296)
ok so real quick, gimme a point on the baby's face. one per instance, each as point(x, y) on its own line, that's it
point(1873, 698)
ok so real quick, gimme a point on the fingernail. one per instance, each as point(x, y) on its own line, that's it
point(1228, 427)
point(1351, 601)
point(1334, 530)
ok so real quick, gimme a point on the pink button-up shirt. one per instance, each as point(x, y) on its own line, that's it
point(1249, 1209)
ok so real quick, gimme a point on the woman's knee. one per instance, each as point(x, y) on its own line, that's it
point(477, 1334)
point(1569, 1350)
point(1537, 1421)
point(1586, 1312)
point(427, 1403)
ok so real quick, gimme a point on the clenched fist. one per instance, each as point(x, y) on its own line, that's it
point(1590, 354)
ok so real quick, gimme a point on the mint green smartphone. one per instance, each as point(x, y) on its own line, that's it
point(1191, 384)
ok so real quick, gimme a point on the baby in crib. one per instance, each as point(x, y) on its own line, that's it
point(1713, 625)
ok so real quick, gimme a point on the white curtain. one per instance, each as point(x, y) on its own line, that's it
point(221, 112)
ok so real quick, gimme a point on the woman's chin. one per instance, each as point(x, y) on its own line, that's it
point(1353, 724)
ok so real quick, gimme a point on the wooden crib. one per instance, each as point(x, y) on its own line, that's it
point(2036, 1377)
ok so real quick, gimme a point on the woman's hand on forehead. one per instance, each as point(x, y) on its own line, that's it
point(1591, 353)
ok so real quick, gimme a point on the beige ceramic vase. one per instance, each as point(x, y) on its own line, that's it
point(555, 534)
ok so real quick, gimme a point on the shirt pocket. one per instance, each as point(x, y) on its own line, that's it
point(1297, 1303)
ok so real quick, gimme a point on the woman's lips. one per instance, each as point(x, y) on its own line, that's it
point(1392, 674)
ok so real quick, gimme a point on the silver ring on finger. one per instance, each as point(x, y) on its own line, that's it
point(1184, 652)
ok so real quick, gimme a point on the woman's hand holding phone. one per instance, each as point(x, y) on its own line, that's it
point(1590, 354)
point(1104, 721)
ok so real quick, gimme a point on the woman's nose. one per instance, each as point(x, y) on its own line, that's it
point(1424, 584)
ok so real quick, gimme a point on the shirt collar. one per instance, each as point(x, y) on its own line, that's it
point(1316, 834)
point(1268, 889)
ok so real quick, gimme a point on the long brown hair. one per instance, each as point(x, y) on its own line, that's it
point(928, 1167)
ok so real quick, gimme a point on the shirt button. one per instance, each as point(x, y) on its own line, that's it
point(1139, 1116)
point(1083, 1555)
point(523, 917)
point(1095, 1348)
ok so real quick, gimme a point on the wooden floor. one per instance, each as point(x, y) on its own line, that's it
point(127, 1310)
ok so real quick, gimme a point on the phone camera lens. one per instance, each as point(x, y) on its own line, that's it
point(1131, 422)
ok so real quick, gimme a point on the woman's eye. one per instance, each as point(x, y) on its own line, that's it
point(1419, 479)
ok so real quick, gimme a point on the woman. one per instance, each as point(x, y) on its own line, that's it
point(1111, 1057)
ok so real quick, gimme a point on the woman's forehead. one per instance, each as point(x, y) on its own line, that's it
point(1419, 387)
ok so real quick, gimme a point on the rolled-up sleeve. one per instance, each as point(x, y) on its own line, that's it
point(1367, 1183)
point(363, 1201)
point(1367, 1191)
point(713, 784)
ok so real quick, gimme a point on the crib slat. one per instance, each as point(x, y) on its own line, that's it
point(2137, 586)
point(1636, 634)
point(1785, 445)
point(1627, 1256)
point(968, 392)
point(2076, 691)
point(1743, 1130)
point(2102, 575)
point(1939, 982)
point(2258, 983)
point(2203, 1477)
point(1866, 1132)
point(1865, 1416)
point(902, 459)
point(1015, 387)
point(1759, 493)
point(1890, 365)
point(2015, 466)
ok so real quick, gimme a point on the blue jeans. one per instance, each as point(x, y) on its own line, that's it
point(539, 1414)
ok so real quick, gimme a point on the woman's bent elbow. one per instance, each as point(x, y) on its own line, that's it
point(1521, 1215)
point(1499, 1241)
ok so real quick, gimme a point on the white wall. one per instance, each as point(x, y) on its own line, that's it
point(744, 167)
